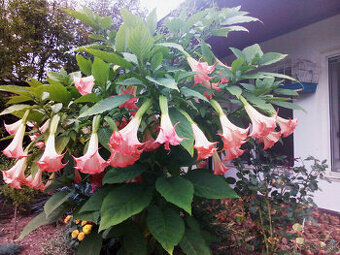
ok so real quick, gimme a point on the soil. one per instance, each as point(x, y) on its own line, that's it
point(31, 244)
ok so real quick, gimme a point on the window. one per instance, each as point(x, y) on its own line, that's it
point(334, 104)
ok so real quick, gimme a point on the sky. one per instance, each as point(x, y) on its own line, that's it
point(163, 6)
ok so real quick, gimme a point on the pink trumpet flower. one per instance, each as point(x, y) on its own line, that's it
point(14, 149)
point(233, 137)
point(202, 68)
point(131, 103)
point(50, 161)
point(204, 148)
point(270, 139)
point(36, 181)
point(167, 133)
point(261, 125)
point(91, 162)
point(13, 128)
point(84, 85)
point(287, 126)
point(125, 146)
point(15, 176)
point(219, 167)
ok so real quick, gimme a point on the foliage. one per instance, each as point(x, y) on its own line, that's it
point(274, 198)
point(143, 194)
point(10, 249)
point(18, 196)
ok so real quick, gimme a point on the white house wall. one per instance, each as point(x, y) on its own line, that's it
point(316, 42)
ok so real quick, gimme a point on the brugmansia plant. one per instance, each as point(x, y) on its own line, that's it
point(150, 104)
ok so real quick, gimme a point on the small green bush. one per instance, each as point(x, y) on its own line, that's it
point(10, 249)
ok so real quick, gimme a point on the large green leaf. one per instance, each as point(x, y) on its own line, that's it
point(20, 90)
point(104, 134)
point(208, 185)
point(289, 105)
point(172, 45)
point(165, 82)
point(271, 58)
point(84, 17)
point(100, 71)
point(108, 57)
point(151, 21)
point(166, 226)
point(35, 223)
point(176, 190)
point(106, 104)
point(85, 65)
point(16, 108)
point(88, 98)
point(140, 41)
point(122, 38)
point(120, 175)
point(61, 143)
point(123, 202)
point(251, 52)
point(91, 245)
point(183, 129)
point(193, 93)
point(94, 203)
point(193, 243)
point(57, 92)
point(56, 201)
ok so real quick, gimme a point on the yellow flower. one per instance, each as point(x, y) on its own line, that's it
point(67, 219)
point(83, 222)
point(75, 233)
point(81, 236)
point(87, 229)
point(77, 221)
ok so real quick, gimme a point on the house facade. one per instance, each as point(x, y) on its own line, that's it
point(308, 31)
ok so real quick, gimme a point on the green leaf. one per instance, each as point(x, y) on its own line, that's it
point(286, 92)
point(15, 108)
point(238, 53)
point(84, 17)
point(207, 52)
point(56, 201)
point(104, 134)
point(19, 99)
point(271, 58)
point(172, 45)
point(193, 93)
point(94, 203)
point(238, 19)
point(251, 52)
point(130, 81)
point(120, 175)
point(193, 243)
point(236, 65)
point(165, 82)
point(130, 19)
point(35, 223)
point(234, 90)
point(140, 41)
point(100, 71)
point(156, 60)
point(88, 98)
point(91, 245)
point(122, 38)
point(61, 143)
point(183, 129)
point(166, 226)
point(289, 105)
point(176, 190)
point(20, 90)
point(260, 103)
point(57, 92)
point(106, 104)
point(85, 65)
point(151, 21)
point(106, 22)
point(123, 202)
point(210, 186)
point(108, 57)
